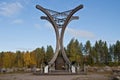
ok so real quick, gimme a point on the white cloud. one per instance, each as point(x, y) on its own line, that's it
point(24, 49)
point(8, 9)
point(80, 33)
point(17, 21)
point(71, 31)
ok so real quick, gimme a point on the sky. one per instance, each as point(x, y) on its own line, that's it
point(22, 29)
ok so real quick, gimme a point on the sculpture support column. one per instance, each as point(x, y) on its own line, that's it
point(59, 20)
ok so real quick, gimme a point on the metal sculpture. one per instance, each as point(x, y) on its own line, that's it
point(59, 21)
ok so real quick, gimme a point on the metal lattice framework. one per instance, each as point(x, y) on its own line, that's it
point(59, 20)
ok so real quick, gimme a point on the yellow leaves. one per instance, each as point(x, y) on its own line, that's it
point(8, 59)
point(33, 59)
point(29, 59)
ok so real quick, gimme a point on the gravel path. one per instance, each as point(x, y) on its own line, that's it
point(30, 76)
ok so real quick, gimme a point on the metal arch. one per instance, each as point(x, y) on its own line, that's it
point(55, 28)
point(48, 15)
point(67, 21)
point(64, 27)
point(70, 15)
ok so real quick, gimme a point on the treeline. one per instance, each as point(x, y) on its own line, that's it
point(97, 55)
point(26, 59)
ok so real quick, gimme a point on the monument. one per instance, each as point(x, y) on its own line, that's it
point(59, 21)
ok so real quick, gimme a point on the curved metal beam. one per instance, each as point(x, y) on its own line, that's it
point(56, 31)
point(48, 15)
point(64, 27)
point(67, 21)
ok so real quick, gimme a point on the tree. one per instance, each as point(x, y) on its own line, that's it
point(117, 51)
point(43, 55)
point(102, 52)
point(1, 59)
point(39, 56)
point(97, 58)
point(74, 51)
point(27, 59)
point(111, 55)
point(105, 52)
point(88, 54)
point(94, 56)
point(49, 54)
point(6, 60)
point(33, 58)
point(19, 60)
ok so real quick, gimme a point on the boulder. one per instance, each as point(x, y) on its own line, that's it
point(108, 69)
point(3, 70)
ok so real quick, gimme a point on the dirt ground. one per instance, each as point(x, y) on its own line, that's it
point(30, 76)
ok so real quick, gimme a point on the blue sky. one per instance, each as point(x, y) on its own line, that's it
point(22, 29)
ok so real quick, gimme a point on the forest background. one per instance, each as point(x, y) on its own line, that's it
point(99, 54)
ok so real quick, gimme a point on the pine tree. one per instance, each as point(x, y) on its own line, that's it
point(49, 54)
point(74, 51)
point(88, 55)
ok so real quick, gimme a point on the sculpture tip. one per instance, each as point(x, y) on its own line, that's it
point(82, 5)
point(37, 6)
